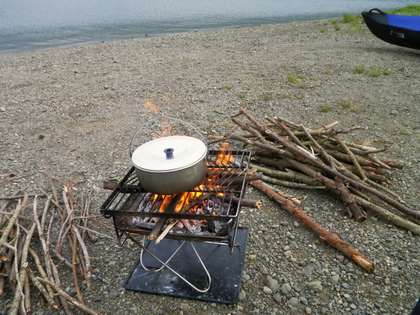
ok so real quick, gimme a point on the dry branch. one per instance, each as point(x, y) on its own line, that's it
point(67, 297)
point(325, 235)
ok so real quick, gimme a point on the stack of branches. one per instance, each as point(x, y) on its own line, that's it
point(40, 237)
point(292, 155)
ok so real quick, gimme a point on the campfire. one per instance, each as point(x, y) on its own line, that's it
point(208, 212)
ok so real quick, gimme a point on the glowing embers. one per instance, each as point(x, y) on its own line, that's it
point(198, 212)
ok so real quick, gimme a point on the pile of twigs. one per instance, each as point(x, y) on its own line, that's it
point(42, 235)
point(292, 155)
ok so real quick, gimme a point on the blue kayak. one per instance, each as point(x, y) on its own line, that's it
point(401, 30)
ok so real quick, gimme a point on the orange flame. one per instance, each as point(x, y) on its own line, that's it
point(224, 158)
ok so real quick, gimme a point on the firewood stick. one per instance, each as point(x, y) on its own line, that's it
point(389, 216)
point(41, 270)
point(287, 175)
point(385, 190)
point(57, 281)
point(289, 133)
point(355, 210)
point(55, 276)
point(27, 294)
point(286, 183)
point(170, 225)
point(19, 292)
point(325, 235)
point(153, 235)
point(379, 162)
point(20, 206)
point(352, 157)
point(87, 273)
point(4, 205)
point(318, 146)
point(335, 187)
point(74, 268)
point(67, 297)
point(41, 236)
point(236, 180)
point(393, 164)
point(333, 172)
point(185, 209)
point(41, 288)
point(354, 191)
point(248, 203)
point(94, 239)
point(270, 161)
point(364, 161)
point(371, 176)
point(2, 280)
point(85, 221)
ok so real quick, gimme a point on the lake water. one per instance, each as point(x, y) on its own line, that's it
point(38, 24)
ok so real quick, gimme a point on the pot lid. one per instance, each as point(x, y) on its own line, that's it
point(168, 154)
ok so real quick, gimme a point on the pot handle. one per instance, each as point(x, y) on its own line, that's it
point(165, 117)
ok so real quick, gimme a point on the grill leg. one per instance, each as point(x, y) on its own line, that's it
point(165, 264)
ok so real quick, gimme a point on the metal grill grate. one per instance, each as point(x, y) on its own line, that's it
point(216, 201)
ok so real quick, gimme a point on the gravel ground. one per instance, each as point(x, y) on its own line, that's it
point(71, 112)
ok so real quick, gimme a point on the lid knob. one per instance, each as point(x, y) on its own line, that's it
point(169, 153)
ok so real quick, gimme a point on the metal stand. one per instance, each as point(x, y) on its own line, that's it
point(165, 264)
point(163, 270)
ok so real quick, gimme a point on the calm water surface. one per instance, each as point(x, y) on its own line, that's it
point(37, 24)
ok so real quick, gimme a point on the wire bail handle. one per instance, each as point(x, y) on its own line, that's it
point(159, 118)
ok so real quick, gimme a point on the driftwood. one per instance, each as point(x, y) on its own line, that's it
point(319, 164)
point(325, 235)
point(32, 233)
point(292, 155)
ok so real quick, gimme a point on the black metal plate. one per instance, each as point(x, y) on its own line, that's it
point(225, 270)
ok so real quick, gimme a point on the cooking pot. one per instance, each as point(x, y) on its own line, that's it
point(170, 165)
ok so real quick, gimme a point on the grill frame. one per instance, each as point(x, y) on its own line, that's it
point(122, 204)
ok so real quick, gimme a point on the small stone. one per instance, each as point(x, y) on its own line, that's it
point(348, 298)
point(113, 294)
point(277, 298)
point(267, 290)
point(246, 277)
point(294, 301)
point(242, 295)
point(308, 310)
point(273, 284)
point(252, 257)
point(304, 301)
point(315, 286)
point(96, 298)
point(345, 285)
point(288, 253)
point(264, 271)
point(184, 306)
point(285, 288)
point(335, 278)
point(309, 270)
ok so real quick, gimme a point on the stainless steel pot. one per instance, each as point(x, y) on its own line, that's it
point(170, 165)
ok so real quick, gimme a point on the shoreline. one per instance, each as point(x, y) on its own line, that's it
point(72, 111)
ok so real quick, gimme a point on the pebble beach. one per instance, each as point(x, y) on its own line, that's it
point(71, 112)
